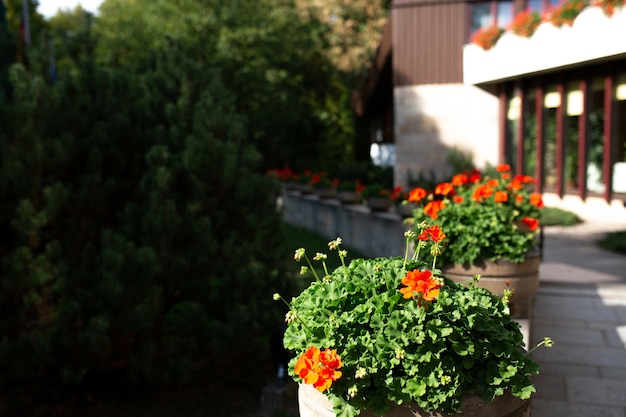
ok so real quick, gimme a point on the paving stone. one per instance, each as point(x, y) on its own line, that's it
point(621, 315)
point(581, 355)
point(610, 302)
point(569, 335)
point(544, 321)
point(568, 301)
point(550, 387)
point(615, 336)
point(596, 391)
point(551, 408)
point(547, 368)
point(554, 311)
point(613, 372)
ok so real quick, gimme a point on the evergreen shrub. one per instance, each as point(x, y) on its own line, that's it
point(137, 233)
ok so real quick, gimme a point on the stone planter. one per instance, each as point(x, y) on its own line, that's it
point(347, 197)
point(313, 403)
point(521, 278)
point(406, 210)
point(326, 193)
point(379, 203)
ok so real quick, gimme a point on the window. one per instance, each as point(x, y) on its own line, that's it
point(541, 5)
point(486, 13)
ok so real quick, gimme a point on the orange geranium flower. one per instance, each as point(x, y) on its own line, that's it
point(432, 208)
point(503, 168)
point(417, 194)
point(481, 193)
point(493, 183)
point(524, 179)
point(501, 197)
point(536, 200)
point(516, 184)
point(445, 188)
point(421, 282)
point(435, 233)
point(475, 176)
point(532, 224)
point(318, 368)
point(458, 199)
point(459, 179)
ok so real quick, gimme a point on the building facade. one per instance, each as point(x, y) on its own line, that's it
point(552, 105)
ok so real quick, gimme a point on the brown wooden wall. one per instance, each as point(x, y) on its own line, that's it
point(428, 39)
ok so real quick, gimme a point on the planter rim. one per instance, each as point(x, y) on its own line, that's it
point(533, 257)
point(472, 405)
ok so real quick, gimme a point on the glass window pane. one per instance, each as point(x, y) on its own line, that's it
point(535, 5)
point(504, 13)
point(480, 15)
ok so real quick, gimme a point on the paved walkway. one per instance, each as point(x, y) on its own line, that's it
point(581, 305)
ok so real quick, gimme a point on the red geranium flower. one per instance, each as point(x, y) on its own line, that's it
point(417, 194)
point(532, 224)
point(445, 188)
point(421, 282)
point(318, 368)
point(432, 208)
point(501, 197)
point(481, 193)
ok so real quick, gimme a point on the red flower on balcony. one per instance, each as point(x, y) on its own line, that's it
point(566, 12)
point(487, 37)
point(525, 23)
point(609, 6)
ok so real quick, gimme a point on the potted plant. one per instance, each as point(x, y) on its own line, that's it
point(377, 197)
point(394, 335)
point(324, 186)
point(403, 206)
point(492, 222)
point(349, 191)
point(566, 12)
point(525, 23)
point(487, 37)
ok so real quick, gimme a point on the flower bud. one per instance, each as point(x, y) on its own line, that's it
point(319, 256)
point(290, 316)
point(334, 244)
point(436, 249)
point(400, 354)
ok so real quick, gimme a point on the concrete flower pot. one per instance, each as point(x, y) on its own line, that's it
point(521, 278)
point(313, 403)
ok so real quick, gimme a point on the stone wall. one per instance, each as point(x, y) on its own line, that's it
point(371, 233)
point(431, 120)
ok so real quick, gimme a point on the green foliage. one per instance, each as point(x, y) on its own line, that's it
point(554, 216)
point(127, 239)
point(297, 104)
point(614, 241)
point(393, 350)
point(460, 160)
point(483, 217)
point(375, 190)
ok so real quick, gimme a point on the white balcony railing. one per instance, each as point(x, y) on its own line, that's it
point(593, 36)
